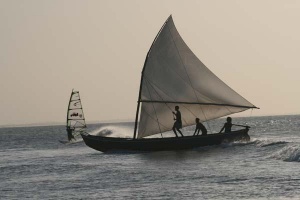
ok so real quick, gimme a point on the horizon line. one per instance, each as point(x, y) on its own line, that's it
point(110, 121)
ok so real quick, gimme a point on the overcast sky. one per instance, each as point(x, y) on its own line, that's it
point(47, 48)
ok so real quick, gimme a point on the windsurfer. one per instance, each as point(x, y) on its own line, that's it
point(178, 124)
point(70, 135)
point(200, 126)
point(227, 126)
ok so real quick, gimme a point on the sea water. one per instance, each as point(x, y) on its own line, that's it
point(34, 165)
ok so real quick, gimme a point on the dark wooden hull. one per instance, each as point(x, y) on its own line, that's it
point(105, 144)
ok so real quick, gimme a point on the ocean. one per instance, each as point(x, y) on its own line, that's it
point(35, 165)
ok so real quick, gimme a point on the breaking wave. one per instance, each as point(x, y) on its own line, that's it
point(267, 142)
point(257, 142)
point(284, 150)
point(290, 153)
point(113, 131)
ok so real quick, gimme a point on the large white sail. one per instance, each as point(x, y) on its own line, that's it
point(75, 117)
point(173, 75)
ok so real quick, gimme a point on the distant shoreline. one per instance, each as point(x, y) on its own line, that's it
point(111, 122)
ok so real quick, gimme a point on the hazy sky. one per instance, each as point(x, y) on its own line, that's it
point(98, 47)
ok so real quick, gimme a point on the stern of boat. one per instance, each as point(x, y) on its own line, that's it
point(240, 135)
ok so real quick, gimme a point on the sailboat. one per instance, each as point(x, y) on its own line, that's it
point(75, 119)
point(172, 76)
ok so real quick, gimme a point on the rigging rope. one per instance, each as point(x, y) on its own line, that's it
point(154, 110)
point(168, 96)
point(188, 76)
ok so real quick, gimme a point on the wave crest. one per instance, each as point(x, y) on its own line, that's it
point(290, 153)
point(257, 142)
point(267, 142)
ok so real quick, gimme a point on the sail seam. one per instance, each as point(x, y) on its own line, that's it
point(165, 103)
point(174, 71)
point(183, 65)
point(187, 75)
point(215, 75)
point(141, 83)
point(154, 120)
point(187, 82)
point(167, 95)
point(154, 108)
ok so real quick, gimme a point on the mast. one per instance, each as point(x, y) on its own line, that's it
point(69, 107)
point(142, 76)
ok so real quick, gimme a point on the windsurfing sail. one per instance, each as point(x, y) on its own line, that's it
point(75, 117)
point(173, 75)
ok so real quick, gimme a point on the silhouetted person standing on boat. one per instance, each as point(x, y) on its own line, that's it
point(70, 135)
point(227, 126)
point(200, 126)
point(178, 124)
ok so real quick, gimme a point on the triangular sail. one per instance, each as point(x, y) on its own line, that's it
point(75, 117)
point(173, 75)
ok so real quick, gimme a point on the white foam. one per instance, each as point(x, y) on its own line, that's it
point(113, 131)
point(71, 142)
point(290, 153)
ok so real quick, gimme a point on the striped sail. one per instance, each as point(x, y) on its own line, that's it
point(75, 117)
